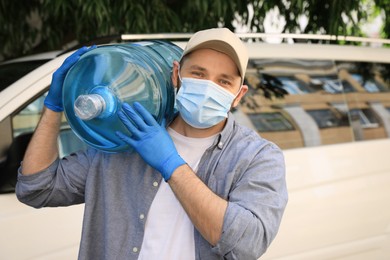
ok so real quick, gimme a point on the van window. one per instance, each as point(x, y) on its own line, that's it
point(366, 117)
point(269, 122)
point(18, 136)
point(26, 120)
point(326, 118)
point(11, 72)
point(316, 102)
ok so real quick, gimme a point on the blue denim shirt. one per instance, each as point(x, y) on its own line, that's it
point(241, 167)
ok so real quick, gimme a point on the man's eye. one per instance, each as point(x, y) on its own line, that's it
point(197, 74)
point(225, 82)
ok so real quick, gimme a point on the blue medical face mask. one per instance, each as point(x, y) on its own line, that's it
point(203, 103)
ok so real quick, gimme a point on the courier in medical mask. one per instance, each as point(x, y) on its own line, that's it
point(210, 81)
point(204, 187)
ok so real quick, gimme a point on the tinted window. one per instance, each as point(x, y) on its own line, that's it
point(326, 118)
point(366, 117)
point(268, 122)
point(347, 87)
point(294, 86)
point(9, 73)
point(27, 119)
point(369, 84)
point(314, 102)
point(330, 84)
point(23, 125)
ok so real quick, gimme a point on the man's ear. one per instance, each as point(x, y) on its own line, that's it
point(242, 93)
point(175, 74)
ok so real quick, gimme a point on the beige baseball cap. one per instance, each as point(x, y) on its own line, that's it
point(222, 40)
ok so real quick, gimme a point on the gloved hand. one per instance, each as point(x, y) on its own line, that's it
point(149, 139)
point(53, 100)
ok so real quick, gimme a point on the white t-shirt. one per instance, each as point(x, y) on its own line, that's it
point(169, 233)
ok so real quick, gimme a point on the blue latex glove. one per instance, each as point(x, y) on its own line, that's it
point(149, 139)
point(53, 100)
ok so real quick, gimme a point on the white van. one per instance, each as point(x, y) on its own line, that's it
point(326, 106)
point(330, 112)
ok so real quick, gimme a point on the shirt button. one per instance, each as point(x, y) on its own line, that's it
point(135, 249)
point(220, 145)
point(155, 184)
point(142, 216)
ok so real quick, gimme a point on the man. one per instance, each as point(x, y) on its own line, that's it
point(224, 190)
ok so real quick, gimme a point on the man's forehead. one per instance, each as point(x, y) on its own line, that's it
point(201, 60)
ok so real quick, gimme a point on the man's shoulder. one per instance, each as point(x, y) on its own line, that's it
point(244, 132)
point(251, 138)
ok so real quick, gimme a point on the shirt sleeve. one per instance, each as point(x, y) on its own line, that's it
point(61, 184)
point(255, 207)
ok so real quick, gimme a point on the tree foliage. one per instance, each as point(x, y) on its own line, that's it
point(38, 25)
point(384, 6)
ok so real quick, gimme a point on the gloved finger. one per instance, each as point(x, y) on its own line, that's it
point(133, 115)
point(145, 114)
point(129, 125)
point(72, 59)
point(125, 138)
point(80, 52)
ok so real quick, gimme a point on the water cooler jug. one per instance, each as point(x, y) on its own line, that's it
point(103, 79)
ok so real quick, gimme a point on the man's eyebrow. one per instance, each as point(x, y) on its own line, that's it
point(227, 76)
point(223, 75)
point(197, 67)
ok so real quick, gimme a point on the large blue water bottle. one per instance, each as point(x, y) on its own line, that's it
point(103, 79)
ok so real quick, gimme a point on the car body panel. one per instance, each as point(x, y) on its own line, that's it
point(47, 233)
point(333, 212)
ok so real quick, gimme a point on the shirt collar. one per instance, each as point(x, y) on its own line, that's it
point(226, 132)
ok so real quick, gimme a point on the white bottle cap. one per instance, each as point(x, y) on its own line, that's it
point(87, 107)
